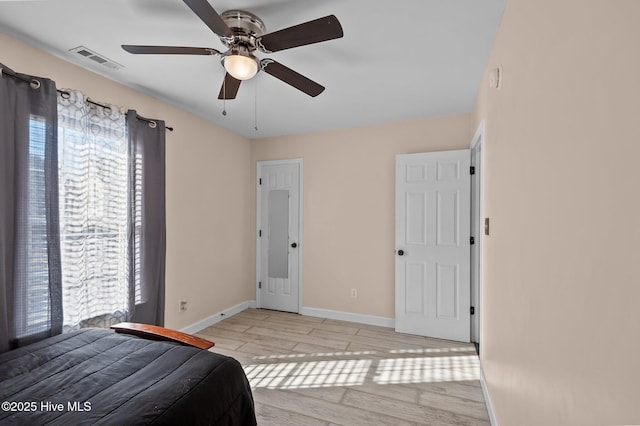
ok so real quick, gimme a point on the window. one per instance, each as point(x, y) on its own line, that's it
point(35, 310)
point(83, 226)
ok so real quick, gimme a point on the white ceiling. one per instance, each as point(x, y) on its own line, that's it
point(398, 60)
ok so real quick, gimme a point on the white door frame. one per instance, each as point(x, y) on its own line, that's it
point(300, 241)
point(476, 229)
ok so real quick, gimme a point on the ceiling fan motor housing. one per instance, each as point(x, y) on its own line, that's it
point(246, 28)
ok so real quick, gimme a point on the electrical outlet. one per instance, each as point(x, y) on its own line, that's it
point(182, 305)
point(354, 293)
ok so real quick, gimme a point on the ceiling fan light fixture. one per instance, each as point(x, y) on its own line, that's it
point(241, 65)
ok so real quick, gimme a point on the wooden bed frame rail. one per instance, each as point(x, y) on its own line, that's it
point(155, 332)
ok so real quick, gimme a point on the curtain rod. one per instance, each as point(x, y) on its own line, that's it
point(36, 84)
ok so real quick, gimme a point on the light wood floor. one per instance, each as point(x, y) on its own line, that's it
point(314, 371)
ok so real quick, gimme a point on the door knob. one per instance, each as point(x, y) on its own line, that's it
point(400, 252)
point(294, 245)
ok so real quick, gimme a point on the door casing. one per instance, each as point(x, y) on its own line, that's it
point(476, 230)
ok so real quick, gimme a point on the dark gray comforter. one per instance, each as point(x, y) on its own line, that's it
point(96, 376)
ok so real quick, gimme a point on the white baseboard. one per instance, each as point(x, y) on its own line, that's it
point(215, 318)
point(312, 312)
point(348, 316)
point(487, 399)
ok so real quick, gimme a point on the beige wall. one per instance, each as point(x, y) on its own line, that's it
point(349, 198)
point(560, 331)
point(207, 195)
point(349, 205)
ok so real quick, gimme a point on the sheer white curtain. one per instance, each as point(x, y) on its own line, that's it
point(94, 213)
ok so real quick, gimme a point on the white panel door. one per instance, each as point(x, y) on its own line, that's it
point(432, 244)
point(278, 235)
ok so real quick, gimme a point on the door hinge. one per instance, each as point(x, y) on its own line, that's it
point(472, 240)
point(472, 170)
point(260, 181)
point(473, 310)
point(259, 284)
point(260, 233)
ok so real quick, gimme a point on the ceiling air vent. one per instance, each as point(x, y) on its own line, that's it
point(99, 59)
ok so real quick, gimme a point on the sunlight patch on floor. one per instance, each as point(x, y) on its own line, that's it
point(431, 350)
point(326, 354)
point(427, 369)
point(311, 374)
point(354, 372)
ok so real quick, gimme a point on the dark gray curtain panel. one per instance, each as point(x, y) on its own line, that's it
point(148, 217)
point(30, 276)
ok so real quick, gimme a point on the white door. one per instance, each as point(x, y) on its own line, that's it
point(432, 244)
point(278, 234)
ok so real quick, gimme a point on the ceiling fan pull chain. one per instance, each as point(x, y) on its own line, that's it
point(224, 96)
point(255, 102)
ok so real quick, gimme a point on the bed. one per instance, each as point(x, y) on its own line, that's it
point(99, 376)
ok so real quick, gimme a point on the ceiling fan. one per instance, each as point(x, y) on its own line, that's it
point(243, 33)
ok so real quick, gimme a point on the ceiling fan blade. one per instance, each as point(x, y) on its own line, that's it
point(229, 88)
point(291, 77)
point(169, 50)
point(210, 17)
point(323, 29)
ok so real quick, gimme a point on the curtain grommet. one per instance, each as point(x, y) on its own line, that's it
point(35, 84)
point(153, 124)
